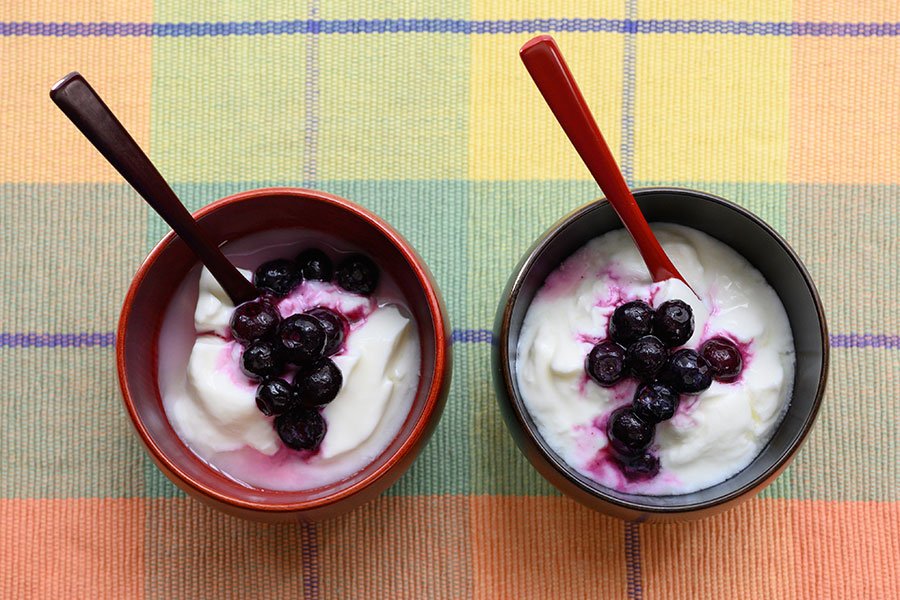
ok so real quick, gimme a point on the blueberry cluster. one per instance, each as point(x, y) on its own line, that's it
point(645, 344)
point(305, 340)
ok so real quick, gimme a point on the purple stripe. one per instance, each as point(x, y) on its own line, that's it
point(472, 336)
point(79, 340)
point(310, 175)
point(309, 552)
point(629, 60)
point(453, 26)
point(56, 340)
point(633, 561)
point(865, 340)
point(626, 161)
point(311, 101)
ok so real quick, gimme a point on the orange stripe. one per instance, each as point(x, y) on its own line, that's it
point(845, 112)
point(48, 148)
point(196, 552)
point(73, 548)
point(870, 11)
point(746, 552)
point(77, 12)
point(846, 549)
point(545, 548)
point(398, 548)
point(774, 548)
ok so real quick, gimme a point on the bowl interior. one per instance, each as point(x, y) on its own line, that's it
point(231, 219)
point(758, 243)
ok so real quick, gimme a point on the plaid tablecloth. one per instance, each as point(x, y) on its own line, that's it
point(421, 111)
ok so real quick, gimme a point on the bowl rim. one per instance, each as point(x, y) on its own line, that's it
point(556, 462)
point(433, 401)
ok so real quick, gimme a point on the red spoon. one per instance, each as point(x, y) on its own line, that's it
point(550, 72)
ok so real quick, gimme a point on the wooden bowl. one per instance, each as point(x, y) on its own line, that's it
point(232, 218)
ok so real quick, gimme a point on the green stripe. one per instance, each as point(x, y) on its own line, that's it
point(444, 466)
point(65, 433)
point(506, 217)
point(471, 234)
point(70, 251)
point(766, 200)
point(498, 467)
point(852, 452)
point(848, 237)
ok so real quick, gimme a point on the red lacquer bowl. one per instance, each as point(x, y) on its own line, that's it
point(235, 217)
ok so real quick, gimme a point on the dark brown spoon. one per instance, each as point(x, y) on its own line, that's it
point(78, 100)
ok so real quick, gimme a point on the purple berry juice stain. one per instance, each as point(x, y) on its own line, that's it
point(563, 280)
point(586, 338)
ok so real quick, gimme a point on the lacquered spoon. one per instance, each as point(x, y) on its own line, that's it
point(78, 100)
point(550, 72)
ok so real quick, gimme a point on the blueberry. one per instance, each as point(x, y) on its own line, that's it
point(301, 429)
point(358, 274)
point(687, 372)
point(628, 434)
point(302, 337)
point(655, 402)
point(641, 468)
point(318, 382)
point(645, 357)
point(254, 320)
point(315, 264)
point(724, 358)
point(673, 323)
point(261, 360)
point(275, 397)
point(279, 276)
point(605, 363)
point(335, 327)
point(631, 321)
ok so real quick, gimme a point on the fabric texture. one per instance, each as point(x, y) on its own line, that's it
point(421, 111)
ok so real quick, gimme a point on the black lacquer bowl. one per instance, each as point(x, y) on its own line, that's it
point(751, 237)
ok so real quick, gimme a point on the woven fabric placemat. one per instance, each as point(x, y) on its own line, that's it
point(421, 111)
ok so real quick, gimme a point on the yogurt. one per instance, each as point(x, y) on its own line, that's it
point(211, 404)
point(713, 435)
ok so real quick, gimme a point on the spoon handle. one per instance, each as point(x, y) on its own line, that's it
point(551, 74)
point(78, 100)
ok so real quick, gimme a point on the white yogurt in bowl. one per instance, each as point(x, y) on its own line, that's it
point(211, 403)
point(713, 435)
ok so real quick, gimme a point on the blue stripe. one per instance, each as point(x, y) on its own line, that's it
point(453, 26)
point(465, 336)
